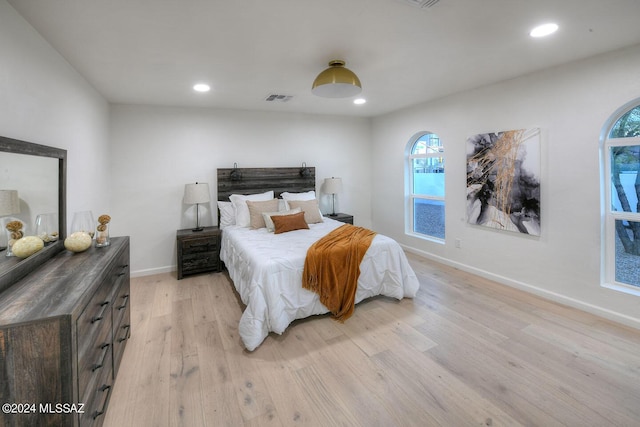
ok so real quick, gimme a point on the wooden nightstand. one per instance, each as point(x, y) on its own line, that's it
point(198, 251)
point(342, 217)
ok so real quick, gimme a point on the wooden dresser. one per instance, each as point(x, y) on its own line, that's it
point(63, 329)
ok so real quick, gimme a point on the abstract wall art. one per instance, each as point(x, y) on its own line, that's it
point(503, 180)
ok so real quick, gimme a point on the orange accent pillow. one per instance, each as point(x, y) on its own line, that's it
point(284, 223)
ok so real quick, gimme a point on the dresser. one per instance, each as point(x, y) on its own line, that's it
point(198, 251)
point(63, 330)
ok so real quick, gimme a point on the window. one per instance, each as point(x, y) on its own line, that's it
point(425, 183)
point(621, 156)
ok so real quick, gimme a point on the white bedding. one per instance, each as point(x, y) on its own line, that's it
point(266, 270)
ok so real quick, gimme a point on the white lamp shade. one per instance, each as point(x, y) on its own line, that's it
point(332, 185)
point(196, 193)
point(9, 202)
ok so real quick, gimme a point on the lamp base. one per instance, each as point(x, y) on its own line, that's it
point(197, 229)
point(332, 214)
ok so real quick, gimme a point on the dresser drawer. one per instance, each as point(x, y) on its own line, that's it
point(96, 396)
point(96, 359)
point(197, 246)
point(200, 262)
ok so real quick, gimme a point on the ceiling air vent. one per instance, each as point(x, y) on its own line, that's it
point(278, 98)
point(423, 4)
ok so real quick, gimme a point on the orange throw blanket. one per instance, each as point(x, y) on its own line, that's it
point(332, 267)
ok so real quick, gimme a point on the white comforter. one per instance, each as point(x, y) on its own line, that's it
point(266, 270)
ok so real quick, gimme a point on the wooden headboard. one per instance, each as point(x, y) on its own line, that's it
point(258, 180)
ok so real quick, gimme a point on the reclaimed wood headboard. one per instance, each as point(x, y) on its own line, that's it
point(258, 180)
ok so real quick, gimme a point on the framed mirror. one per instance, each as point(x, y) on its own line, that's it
point(33, 177)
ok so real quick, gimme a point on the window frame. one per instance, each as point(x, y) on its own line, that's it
point(608, 215)
point(410, 195)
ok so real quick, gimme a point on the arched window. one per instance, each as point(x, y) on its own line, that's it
point(621, 227)
point(425, 185)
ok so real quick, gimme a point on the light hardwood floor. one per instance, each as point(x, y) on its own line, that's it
point(465, 352)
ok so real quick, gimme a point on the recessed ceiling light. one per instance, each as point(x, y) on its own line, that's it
point(359, 101)
point(544, 30)
point(201, 87)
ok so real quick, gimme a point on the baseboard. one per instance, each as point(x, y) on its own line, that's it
point(606, 313)
point(152, 271)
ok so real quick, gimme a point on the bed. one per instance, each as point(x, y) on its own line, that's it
point(267, 268)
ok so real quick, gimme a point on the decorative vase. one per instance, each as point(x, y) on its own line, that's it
point(83, 222)
point(47, 227)
point(102, 236)
point(15, 232)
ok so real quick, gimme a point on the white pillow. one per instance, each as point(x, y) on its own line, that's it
point(242, 210)
point(309, 195)
point(269, 222)
point(227, 214)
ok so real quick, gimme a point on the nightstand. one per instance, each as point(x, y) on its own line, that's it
point(342, 217)
point(198, 251)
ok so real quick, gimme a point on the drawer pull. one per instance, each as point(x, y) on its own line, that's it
point(97, 366)
point(126, 328)
point(101, 316)
point(121, 274)
point(126, 300)
point(103, 388)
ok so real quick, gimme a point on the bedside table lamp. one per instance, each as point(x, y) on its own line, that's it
point(333, 186)
point(195, 194)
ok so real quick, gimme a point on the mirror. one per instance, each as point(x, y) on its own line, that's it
point(38, 174)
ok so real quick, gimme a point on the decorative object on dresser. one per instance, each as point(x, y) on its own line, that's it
point(63, 330)
point(15, 231)
point(83, 222)
point(198, 251)
point(343, 217)
point(47, 227)
point(333, 186)
point(79, 241)
point(9, 205)
point(102, 231)
point(195, 194)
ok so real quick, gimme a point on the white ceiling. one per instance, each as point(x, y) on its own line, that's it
point(153, 51)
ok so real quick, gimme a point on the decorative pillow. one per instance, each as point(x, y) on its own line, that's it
point(311, 210)
point(284, 223)
point(242, 210)
point(286, 196)
point(257, 208)
point(227, 214)
point(269, 222)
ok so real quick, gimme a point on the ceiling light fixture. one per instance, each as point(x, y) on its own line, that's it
point(544, 30)
point(359, 101)
point(336, 82)
point(201, 87)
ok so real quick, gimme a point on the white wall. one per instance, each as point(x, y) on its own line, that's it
point(570, 105)
point(137, 174)
point(156, 151)
point(45, 101)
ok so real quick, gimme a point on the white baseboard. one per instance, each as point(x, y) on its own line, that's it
point(606, 313)
point(152, 271)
